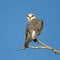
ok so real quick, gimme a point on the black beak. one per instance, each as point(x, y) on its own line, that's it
point(30, 17)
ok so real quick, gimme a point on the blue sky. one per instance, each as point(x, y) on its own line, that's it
point(12, 28)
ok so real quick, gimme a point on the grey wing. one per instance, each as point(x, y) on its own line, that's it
point(28, 38)
point(35, 25)
point(29, 29)
point(38, 26)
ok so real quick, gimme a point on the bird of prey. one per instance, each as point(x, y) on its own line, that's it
point(33, 28)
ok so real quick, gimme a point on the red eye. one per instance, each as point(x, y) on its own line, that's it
point(27, 15)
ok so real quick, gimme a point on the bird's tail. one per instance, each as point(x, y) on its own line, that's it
point(26, 44)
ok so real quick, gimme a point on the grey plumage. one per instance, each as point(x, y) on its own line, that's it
point(35, 25)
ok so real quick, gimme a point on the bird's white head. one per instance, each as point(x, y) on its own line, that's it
point(30, 16)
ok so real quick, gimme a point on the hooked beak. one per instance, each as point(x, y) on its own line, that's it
point(30, 17)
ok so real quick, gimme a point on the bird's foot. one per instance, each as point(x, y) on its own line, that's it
point(35, 40)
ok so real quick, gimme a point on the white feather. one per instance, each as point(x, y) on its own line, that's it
point(33, 34)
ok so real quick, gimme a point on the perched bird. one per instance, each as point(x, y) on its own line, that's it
point(33, 28)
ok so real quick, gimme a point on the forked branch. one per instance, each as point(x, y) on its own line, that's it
point(42, 47)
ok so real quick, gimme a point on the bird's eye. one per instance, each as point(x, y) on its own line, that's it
point(32, 15)
point(27, 15)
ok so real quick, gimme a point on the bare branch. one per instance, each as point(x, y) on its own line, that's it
point(44, 46)
point(48, 47)
point(37, 47)
point(34, 47)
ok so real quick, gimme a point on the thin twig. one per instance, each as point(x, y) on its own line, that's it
point(33, 47)
point(37, 47)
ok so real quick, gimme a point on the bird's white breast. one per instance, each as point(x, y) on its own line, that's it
point(33, 34)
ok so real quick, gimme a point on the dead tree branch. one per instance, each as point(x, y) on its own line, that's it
point(42, 47)
point(48, 47)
